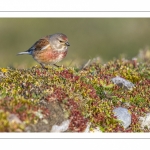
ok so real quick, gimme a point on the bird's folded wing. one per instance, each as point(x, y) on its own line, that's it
point(41, 44)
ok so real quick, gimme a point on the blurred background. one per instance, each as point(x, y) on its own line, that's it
point(107, 38)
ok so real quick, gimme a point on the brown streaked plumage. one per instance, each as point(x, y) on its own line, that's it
point(49, 49)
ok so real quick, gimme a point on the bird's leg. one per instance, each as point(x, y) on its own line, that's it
point(43, 66)
point(56, 65)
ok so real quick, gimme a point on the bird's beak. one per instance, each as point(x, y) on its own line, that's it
point(67, 43)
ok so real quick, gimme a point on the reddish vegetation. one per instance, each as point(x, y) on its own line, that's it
point(87, 95)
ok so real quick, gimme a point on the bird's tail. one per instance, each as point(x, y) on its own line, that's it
point(24, 53)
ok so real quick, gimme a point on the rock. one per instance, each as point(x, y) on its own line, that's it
point(13, 118)
point(62, 127)
point(145, 121)
point(123, 115)
point(56, 116)
point(96, 130)
point(123, 83)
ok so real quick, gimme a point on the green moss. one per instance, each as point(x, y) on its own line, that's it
point(87, 95)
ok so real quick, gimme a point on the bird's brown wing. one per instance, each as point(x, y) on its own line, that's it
point(40, 45)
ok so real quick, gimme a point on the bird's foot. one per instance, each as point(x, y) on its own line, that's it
point(43, 66)
point(56, 65)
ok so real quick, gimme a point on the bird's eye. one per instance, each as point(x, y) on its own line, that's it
point(60, 41)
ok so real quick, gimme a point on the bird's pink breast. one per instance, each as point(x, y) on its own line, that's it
point(50, 57)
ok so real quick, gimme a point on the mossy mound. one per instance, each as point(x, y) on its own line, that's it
point(40, 98)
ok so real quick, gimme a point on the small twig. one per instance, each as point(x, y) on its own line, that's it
point(86, 64)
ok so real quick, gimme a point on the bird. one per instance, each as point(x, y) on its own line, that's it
point(49, 49)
